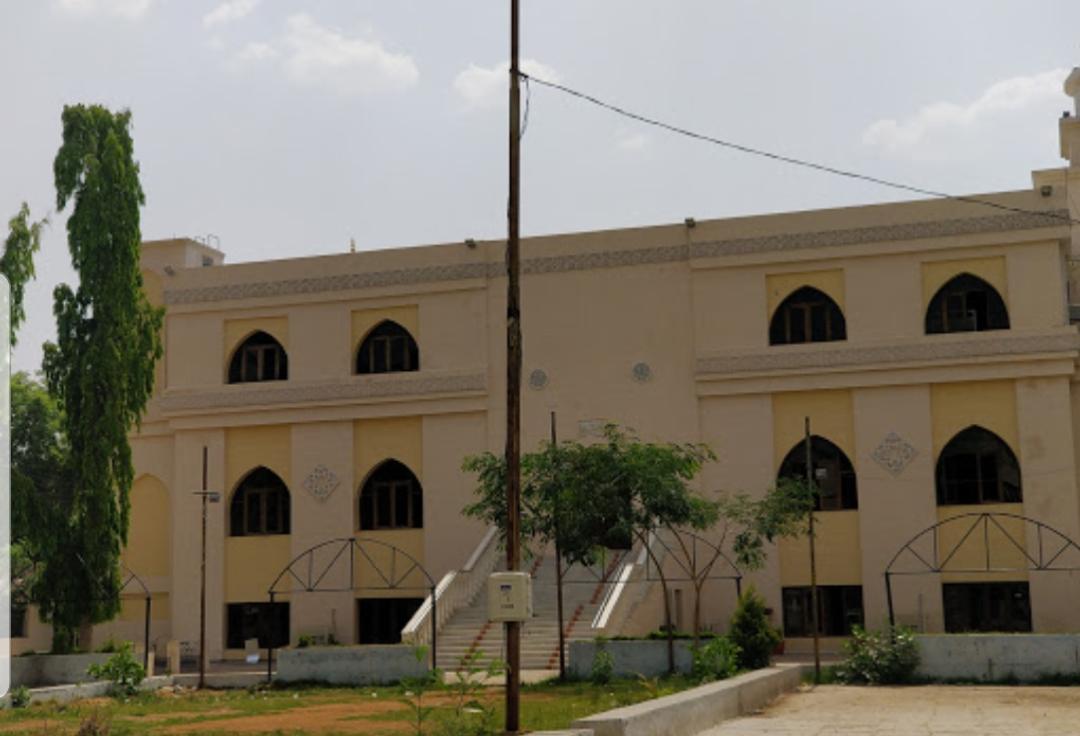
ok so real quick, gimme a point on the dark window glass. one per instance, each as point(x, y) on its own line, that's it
point(796, 318)
point(260, 505)
point(389, 348)
point(392, 498)
point(380, 620)
point(839, 609)
point(18, 621)
point(833, 473)
point(977, 467)
point(383, 505)
point(267, 622)
point(966, 304)
point(986, 607)
point(807, 315)
point(259, 358)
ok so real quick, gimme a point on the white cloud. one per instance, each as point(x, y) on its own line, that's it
point(482, 86)
point(229, 11)
point(935, 124)
point(253, 53)
point(630, 141)
point(321, 57)
point(128, 9)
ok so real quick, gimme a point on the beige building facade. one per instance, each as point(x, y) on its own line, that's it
point(928, 343)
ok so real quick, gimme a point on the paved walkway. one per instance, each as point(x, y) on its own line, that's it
point(933, 710)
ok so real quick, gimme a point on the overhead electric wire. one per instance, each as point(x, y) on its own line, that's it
point(686, 132)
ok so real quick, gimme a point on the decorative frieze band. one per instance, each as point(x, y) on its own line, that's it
point(840, 355)
point(356, 388)
point(881, 233)
point(337, 282)
point(619, 258)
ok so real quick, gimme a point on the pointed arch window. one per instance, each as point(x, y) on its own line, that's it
point(966, 303)
point(977, 467)
point(388, 348)
point(259, 358)
point(807, 315)
point(260, 505)
point(832, 472)
point(391, 498)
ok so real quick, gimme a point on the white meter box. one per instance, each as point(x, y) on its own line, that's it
point(509, 596)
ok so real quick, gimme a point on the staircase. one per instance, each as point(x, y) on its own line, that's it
point(469, 630)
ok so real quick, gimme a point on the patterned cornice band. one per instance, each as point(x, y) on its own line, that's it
point(617, 258)
point(834, 356)
point(881, 233)
point(374, 387)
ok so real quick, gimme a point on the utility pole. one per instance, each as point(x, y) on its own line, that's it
point(813, 558)
point(558, 564)
point(513, 377)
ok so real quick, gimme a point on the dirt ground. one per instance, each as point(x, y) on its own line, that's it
point(329, 718)
point(933, 710)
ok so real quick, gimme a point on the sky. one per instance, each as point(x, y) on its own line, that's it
point(287, 128)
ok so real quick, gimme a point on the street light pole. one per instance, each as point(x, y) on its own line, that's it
point(212, 497)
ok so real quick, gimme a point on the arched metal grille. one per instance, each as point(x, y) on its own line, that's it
point(970, 551)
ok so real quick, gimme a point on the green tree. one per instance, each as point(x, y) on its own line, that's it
point(546, 507)
point(642, 488)
point(587, 495)
point(38, 488)
point(38, 459)
point(548, 510)
point(784, 511)
point(17, 261)
point(101, 368)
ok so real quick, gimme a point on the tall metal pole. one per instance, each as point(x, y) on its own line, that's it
point(558, 567)
point(148, 653)
point(813, 560)
point(513, 377)
point(202, 585)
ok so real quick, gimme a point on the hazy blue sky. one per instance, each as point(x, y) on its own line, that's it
point(287, 128)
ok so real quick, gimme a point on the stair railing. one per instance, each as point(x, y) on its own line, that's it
point(456, 590)
point(628, 588)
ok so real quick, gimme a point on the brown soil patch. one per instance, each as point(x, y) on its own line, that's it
point(334, 717)
point(159, 717)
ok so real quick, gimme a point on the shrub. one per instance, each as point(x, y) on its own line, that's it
point(718, 659)
point(885, 657)
point(751, 631)
point(20, 696)
point(110, 646)
point(413, 690)
point(603, 664)
point(472, 714)
point(305, 641)
point(122, 670)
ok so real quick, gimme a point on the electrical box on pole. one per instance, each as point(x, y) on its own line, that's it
point(510, 596)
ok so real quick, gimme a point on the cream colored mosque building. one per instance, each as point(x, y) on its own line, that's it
point(928, 342)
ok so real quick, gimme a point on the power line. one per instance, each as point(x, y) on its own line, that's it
point(787, 159)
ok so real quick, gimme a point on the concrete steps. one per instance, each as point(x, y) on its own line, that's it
point(469, 630)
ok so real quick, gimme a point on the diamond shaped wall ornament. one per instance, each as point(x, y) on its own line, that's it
point(321, 482)
point(894, 453)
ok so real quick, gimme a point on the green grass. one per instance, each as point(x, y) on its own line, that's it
point(549, 705)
